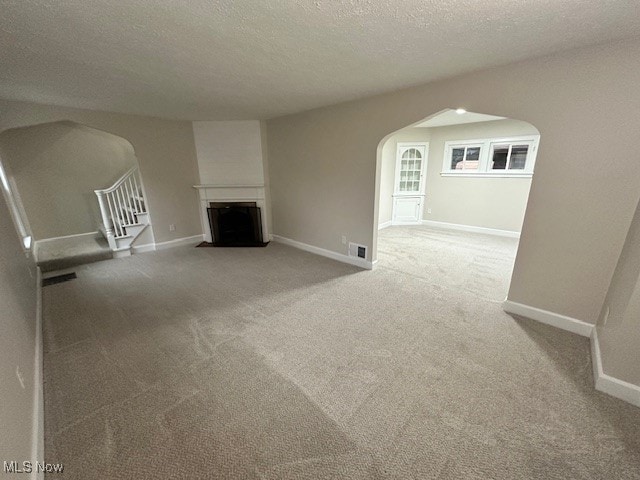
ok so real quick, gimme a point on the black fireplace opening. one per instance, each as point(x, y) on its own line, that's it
point(235, 224)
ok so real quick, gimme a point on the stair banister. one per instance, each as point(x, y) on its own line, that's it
point(120, 206)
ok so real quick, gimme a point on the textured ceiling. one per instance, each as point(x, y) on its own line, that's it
point(230, 59)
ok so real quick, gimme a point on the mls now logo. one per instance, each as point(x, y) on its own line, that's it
point(28, 467)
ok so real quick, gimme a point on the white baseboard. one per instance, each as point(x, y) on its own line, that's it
point(37, 420)
point(122, 253)
point(610, 385)
point(147, 247)
point(64, 237)
point(605, 383)
point(382, 226)
point(358, 262)
point(178, 242)
point(471, 228)
point(550, 318)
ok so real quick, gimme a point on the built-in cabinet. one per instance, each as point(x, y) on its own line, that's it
point(410, 181)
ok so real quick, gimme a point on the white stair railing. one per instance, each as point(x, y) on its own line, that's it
point(120, 206)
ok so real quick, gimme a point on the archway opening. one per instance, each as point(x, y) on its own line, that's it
point(53, 170)
point(451, 198)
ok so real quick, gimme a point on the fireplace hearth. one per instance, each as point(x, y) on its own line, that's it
point(235, 224)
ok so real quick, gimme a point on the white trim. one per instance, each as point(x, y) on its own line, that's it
point(408, 194)
point(383, 225)
point(604, 383)
point(397, 224)
point(471, 228)
point(178, 242)
point(53, 239)
point(486, 175)
point(257, 185)
point(232, 193)
point(358, 262)
point(147, 247)
point(486, 147)
point(122, 252)
point(610, 385)
point(549, 318)
point(37, 419)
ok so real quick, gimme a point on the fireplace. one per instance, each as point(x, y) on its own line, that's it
point(235, 224)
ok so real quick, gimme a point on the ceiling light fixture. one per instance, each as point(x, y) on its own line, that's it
point(460, 111)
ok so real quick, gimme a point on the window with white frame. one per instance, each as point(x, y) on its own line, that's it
point(493, 157)
point(465, 158)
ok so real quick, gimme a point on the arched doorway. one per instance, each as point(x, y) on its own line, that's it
point(453, 191)
point(55, 169)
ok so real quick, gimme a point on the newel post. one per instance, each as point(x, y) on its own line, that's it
point(106, 222)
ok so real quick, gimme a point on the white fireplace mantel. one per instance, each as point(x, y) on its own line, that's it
point(231, 193)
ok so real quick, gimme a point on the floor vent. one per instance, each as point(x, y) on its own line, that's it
point(356, 250)
point(65, 277)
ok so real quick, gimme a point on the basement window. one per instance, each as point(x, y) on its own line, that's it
point(490, 157)
point(465, 157)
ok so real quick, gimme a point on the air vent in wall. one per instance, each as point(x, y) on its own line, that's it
point(356, 250)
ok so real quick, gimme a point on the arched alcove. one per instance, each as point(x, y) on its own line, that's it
point(56, 167)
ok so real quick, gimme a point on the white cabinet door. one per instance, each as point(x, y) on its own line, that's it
point(411, 161)
point(406, 210)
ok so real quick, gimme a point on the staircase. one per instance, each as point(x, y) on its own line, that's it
point(124, 212)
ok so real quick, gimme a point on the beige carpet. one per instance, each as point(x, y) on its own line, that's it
point(67, 252)
point(271, 363)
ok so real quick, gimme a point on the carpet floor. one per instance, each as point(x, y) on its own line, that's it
point(67, 252)
point(272, 363)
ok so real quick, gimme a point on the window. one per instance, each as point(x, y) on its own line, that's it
point(465, 157)
point(491, 157)
point(509, 156)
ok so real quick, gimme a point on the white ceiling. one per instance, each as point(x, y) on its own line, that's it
point(233, 59)
point(450, 117)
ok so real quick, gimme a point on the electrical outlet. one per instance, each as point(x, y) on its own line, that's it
point(606, 316)
point(172, 228)
point(344, 239)
point(429, 211)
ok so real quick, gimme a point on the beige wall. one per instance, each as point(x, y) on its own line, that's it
point(229, 153)
point(17, 342)
point(497, 203)
point(57, 166)
point(388, 167)
point(584, 103)
point(164, 148)
point(619, 337)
